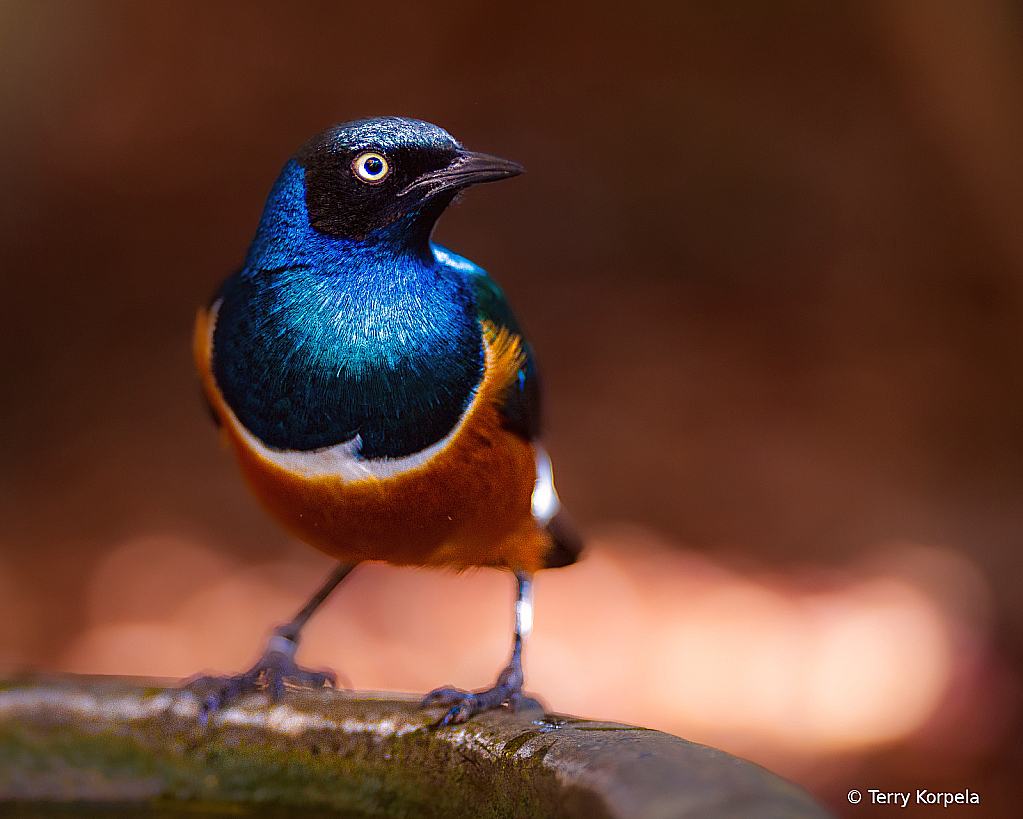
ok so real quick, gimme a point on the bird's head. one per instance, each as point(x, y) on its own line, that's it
point(388, 178)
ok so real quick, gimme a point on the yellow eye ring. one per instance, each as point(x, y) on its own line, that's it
point(371, 167)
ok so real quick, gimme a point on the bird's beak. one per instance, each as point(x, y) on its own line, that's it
point(469, 168)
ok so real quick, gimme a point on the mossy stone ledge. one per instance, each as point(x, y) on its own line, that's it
point(117, 746)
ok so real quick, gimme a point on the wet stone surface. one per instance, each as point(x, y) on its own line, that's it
point(124, 745)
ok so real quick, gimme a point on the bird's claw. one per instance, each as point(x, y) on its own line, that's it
point(444, 696)
point(274, 671)
point(468, 703)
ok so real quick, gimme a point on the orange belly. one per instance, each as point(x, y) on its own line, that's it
point(469, 505)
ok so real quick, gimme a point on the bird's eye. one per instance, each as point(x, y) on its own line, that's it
point(371, 167)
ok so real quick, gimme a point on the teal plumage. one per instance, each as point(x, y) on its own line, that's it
point(376, 388)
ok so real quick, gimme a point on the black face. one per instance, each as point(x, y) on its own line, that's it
point(362, 177)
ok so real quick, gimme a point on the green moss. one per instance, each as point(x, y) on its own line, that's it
point(142, 749)
point(160, 810)
point(512, 745)
point(361, 773)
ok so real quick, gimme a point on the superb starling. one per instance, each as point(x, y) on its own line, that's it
point(376, 389)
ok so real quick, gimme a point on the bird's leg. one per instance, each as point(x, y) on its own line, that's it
point(277, 666)
point(508, 688)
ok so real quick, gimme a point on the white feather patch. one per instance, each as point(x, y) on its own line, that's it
point(544, 502)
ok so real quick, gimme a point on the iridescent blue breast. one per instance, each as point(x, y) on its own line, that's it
point(390, 352)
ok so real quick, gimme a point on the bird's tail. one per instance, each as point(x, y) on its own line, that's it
point(567, 543)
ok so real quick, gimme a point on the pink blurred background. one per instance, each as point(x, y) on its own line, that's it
point(771, 260)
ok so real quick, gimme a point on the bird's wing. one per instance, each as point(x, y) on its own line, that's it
point(522, 405)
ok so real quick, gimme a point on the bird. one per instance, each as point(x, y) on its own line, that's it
point(377, 391)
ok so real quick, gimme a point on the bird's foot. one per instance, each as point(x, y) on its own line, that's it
point(507, 691)
point(275, 670)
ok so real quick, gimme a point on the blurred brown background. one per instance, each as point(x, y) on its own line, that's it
point(769, 254)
